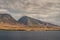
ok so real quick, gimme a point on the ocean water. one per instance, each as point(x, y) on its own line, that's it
point(29, 35)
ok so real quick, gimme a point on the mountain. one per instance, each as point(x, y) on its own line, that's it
point(31, 22)
point(6, 18)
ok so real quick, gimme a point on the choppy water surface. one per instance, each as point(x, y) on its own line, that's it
point(31, 35)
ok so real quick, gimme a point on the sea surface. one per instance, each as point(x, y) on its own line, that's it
point(29, 35)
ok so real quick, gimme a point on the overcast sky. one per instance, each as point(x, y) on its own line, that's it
point(45, 10)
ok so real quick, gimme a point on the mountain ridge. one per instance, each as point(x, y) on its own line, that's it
point(25, 23)
point(31, 21)
point(7, 18)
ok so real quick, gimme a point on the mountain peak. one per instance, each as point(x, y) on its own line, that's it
point(4, 15)
point(34, 22)
point(25, 17)
point(7, 18)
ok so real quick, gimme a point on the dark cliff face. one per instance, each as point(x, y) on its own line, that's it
point(34, 22)
point(26, 20)
point(23, 20)
point(6, 18)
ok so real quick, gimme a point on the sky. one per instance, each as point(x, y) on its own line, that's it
point(45, 10)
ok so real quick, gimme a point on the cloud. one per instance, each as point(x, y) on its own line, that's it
point(2, 11)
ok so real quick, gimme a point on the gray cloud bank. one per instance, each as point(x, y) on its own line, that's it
point(45, 10)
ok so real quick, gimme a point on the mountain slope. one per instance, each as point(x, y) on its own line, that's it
point(34, 22)
point(6, 18)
